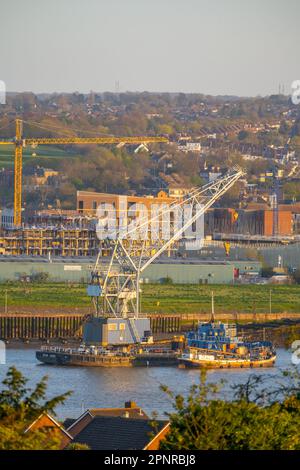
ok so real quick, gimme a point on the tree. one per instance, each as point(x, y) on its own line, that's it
point(19, 407)
point(40, 277)
point(165, 129)
point(256, 418)
point(296, 276)
point(242, 135)
point(232, 196)
point(291, 190)
point(77, 446)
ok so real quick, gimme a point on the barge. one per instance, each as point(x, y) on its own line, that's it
point(100, 357)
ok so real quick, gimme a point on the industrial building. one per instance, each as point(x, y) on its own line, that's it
point(72, 233)
point(206, 272)
point(78, 270)
point(249, 222)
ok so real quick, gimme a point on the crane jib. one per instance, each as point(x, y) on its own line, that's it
point(94, 140)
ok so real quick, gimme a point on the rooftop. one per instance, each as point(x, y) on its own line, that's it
point(115, 433)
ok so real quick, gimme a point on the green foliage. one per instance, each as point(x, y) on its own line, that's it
point(166, 280)
point(257, 419)
point(19, 407)
point(40, 277)
point(109, 169)
point(242, 135)
point(197, 180)
point(77, 446)
point(291, 191)
point(296, 276)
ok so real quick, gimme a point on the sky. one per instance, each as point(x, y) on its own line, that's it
point(234, 47)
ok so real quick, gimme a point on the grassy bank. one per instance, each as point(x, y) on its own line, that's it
point(160, 298)
point(7, 154)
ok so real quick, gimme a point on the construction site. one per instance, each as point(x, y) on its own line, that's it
point(113, 286)
point(114, 330)
point(71, 233)
point(58, 233)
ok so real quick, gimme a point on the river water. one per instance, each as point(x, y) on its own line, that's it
point(111, 387)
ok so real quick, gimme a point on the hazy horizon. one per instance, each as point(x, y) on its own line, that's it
point(99, 92)
point(214, 47)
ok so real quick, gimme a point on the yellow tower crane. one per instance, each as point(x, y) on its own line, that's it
point(20, 142)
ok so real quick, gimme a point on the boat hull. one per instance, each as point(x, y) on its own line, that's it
point(90, 360)
point(65, 359)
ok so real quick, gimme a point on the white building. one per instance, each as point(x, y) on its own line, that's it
point(189, 146)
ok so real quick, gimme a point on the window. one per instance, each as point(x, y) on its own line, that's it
point(122, 326)
point(112, 327)
point(80, 205)
point(94, 205)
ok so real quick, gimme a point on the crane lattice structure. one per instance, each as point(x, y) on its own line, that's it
point(119, 280)
point(21, 142)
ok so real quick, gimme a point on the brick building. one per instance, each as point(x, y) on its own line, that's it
point(249, 222)
point(88, 201)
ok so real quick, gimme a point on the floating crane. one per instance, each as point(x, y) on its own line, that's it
point(20, 142)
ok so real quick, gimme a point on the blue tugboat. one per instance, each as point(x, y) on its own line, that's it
point(216, 345)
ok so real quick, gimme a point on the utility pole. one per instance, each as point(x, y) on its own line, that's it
point(212, 307)
point(5, 300)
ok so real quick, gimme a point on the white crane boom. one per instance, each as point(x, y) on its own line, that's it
point(120, 278)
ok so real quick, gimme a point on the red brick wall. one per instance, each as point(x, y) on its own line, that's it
point(285, 222)
point(268, 223)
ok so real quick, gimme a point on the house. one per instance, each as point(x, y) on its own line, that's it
point(119, 433)
point(141, 148)
point(130, 410)
point(117, 429)
point(185, 146)
point(210, 174)
point(128, 428)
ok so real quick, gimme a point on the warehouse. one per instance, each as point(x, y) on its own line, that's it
point(208, 272)
point(194, 272)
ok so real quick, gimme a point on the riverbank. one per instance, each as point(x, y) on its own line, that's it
point(281, 333)
point(156, 298)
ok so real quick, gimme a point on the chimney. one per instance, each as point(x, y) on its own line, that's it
point(130, 404)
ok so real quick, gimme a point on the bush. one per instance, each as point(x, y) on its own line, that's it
point(296, 276)
point(40, 277)
point(20, 406)
point(258, 418)
point(166, 280)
